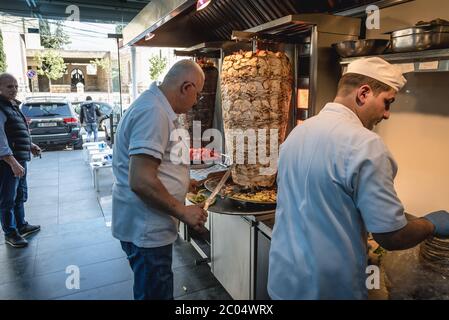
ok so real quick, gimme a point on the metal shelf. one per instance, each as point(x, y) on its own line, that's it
point(440, 55)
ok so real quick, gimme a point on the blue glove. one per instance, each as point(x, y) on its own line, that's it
point(440, 220)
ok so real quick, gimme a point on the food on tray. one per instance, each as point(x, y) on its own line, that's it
point(260, 196)
point(199, 197)
point(233, 191)
point(256, 92)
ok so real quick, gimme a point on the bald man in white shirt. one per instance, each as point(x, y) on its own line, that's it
point(150, 188)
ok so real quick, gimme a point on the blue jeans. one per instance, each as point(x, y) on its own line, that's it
point(13, 194)
point(153, 276)
point(92, 127)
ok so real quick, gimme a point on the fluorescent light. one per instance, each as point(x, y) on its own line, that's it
point(149, 36)
point(201, 4)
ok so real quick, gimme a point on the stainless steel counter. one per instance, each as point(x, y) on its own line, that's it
point(237, 246)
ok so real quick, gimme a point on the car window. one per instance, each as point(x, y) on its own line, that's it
point(105, 109)
point(78, 108)
point(46, 110)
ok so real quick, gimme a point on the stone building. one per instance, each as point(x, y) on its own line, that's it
point(79, 70)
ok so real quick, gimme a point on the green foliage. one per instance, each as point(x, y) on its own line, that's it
point(157, 66)
point(2, 55)
point(53, 40)
point(50, 64)
point(104, 64)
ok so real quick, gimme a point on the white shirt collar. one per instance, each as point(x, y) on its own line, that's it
point(154, 89)
point(343, 110)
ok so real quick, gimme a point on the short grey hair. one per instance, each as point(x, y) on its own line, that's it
point(183, 70)
point(5, 75)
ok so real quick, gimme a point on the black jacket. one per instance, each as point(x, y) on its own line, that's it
point(16, 130)
point(89, 113)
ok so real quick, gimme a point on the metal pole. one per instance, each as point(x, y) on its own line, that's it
point(119, 78)
point(134, 71)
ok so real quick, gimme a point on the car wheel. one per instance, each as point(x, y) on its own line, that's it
point(78, 145)
point(106, 135)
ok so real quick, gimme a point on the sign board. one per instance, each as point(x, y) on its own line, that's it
point(31, 74)
point(91, 69)
point(79, 87)
point(431, 65)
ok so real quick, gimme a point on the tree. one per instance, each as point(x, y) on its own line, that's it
point(104, 64)
point(2, 55)
point(53, 40)
point(50, 64)
point(157, 66)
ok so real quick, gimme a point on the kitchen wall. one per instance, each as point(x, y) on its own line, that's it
point(417, 134)
point(408, 14)
point(418, 130)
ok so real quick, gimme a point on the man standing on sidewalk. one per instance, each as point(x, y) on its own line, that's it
point(15, 148)
point(89, 113)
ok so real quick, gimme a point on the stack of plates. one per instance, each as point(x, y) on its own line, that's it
point(434, 253)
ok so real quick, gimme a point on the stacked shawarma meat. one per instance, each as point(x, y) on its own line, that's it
point(256, 92)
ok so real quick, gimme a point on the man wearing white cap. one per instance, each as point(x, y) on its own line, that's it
point(335, 184)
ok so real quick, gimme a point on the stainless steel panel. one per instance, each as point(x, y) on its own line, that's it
point(261, 276)
point(325, 70)
point(154, 15)
point(231, 254)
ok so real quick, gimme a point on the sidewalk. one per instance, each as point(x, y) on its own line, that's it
point(75, 232)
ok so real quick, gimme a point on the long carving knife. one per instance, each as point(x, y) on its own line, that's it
point(217, 189)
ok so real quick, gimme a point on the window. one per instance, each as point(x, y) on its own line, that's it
point(46, 110)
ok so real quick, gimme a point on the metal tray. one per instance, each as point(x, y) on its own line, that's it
point(230, 207)
point(211, 183)
point(201, 166)
point(420, 38)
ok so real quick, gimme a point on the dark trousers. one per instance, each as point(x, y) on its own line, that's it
point(153, 276)
point(13, 194)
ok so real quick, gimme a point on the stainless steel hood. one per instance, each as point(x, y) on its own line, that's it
point(176, 23)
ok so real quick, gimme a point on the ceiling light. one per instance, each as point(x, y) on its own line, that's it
point(149, 36)
point(201, 4)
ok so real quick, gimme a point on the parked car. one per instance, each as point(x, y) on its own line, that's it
point(52, 122)
point(115, 117)
point(105, 109)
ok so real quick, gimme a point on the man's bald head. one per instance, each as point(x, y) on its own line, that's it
point(8, 86)
point(6, 76)
point(182, 85)
point(182, 71)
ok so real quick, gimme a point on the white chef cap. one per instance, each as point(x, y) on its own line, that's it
point(379, 69)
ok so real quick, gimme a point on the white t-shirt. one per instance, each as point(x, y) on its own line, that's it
point(145, 129)
point(335, 183)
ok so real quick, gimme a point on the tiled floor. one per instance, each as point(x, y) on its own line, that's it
point(75, 232)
